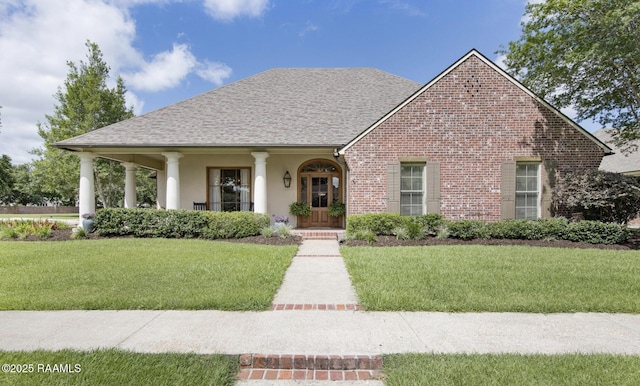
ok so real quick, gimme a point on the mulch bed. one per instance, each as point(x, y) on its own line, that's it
point(388, 241)
point(64, 235)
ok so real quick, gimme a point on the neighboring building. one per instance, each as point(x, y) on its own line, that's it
point(473, 143)
point(620, 162)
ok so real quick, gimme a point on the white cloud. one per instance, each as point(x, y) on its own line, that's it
point(500, 61)
point(310, 27)
point(214, 72)
point(166, 70)
point(38, 37)
point(404, 6)
point(228, 10)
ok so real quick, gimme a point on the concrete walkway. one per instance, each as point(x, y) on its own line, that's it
point(317, 275)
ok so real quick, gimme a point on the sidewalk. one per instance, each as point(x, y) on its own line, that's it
point(320, 332)
point(315, 315)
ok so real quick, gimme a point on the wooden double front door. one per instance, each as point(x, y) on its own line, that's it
point(319, 186)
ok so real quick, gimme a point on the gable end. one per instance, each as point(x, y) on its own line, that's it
point(474, 53)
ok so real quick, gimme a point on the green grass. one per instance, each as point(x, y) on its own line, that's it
point(140, 274)
point(510, 369)
point(112, 367)
point(497, 279)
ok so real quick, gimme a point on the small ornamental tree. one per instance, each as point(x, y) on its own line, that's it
point(599, 195)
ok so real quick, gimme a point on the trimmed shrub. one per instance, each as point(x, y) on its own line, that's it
point(596, 232)
point(467, 229)
point(367, 226)
point(378, 223)
point(226, 225)
point(178, 223)
point(430, 222)
point(387, 224)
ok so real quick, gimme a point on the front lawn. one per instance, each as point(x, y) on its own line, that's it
point(140, 274)
point(495, 279)
point(510, 369)
point(113, 367)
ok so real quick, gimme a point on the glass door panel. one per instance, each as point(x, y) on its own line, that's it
point(319, 192)
point(304, 191)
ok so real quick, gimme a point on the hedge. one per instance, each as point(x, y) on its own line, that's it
point(386, 223)
point(178, 223)
point(558, 228)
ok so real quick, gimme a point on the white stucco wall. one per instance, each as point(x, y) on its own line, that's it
point(193, 177)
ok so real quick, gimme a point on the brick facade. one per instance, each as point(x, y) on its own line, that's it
point(470, 121)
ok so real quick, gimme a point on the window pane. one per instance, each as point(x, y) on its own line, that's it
point(229, 189)
point(411, 189)
point(319, 192)
point(527, 194)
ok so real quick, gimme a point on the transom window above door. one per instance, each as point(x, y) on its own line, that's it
point(319, 166)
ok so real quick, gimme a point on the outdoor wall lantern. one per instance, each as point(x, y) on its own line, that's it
point(287, 179)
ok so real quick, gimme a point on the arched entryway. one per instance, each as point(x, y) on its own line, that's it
point(319, 185)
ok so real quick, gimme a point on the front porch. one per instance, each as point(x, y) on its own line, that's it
point(224, 180)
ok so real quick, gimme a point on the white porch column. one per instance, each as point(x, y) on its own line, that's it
point(87, 194)
point(130, 184)
point(161, 189)
point(260, 182)
point(173, 180)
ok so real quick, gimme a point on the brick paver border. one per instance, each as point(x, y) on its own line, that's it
point(316, 307)
point(310, 367)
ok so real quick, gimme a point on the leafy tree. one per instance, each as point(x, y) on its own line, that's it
point(146, 188)
point(85, 103)
point(27, 190)
point(6, 178)
point(599, 195)
point(585, 54)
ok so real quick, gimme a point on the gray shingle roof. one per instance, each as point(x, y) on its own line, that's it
point(279, 107)
point(618, 162)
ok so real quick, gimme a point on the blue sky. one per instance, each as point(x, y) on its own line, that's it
point(170, 50)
